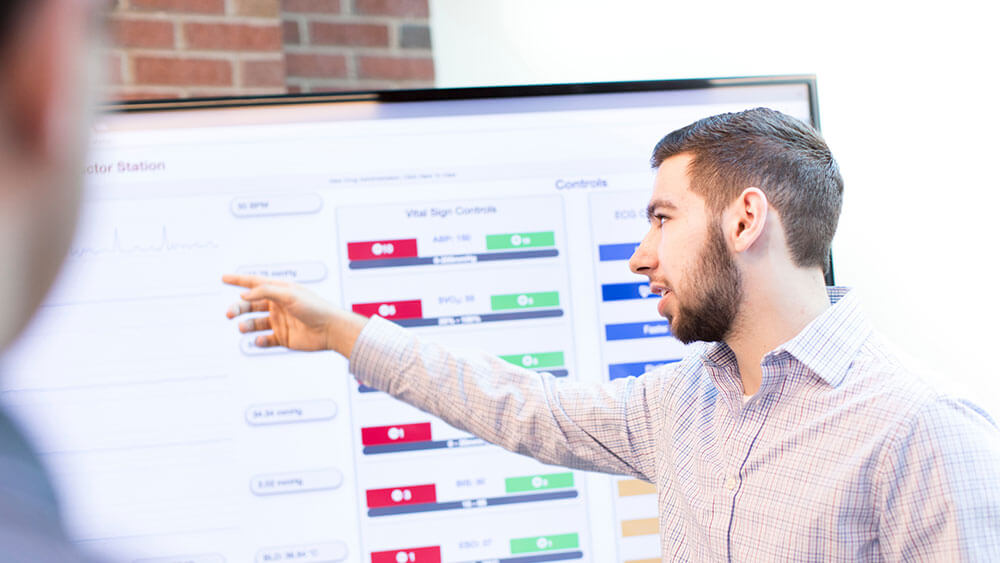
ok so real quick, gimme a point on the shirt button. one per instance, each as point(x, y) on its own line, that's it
point(731, 483)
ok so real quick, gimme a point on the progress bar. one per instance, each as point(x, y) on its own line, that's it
point(429, 445)
point(540, 558)
point(470, 503)
point(452, 259)
point(477, 319)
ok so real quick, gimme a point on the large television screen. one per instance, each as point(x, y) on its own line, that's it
point(500, 219)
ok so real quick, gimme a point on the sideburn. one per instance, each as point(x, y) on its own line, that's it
point(708, 315)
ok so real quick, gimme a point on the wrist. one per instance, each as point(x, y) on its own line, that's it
point(343, 330)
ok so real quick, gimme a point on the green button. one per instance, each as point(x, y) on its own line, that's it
point(532, 361)
point(539, 482)
point(544, 543)
point(520, 240)
point(525, 300)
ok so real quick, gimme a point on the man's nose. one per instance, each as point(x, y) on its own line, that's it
point(643, 260)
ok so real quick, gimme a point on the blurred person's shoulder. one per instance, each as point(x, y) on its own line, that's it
point(30, 526)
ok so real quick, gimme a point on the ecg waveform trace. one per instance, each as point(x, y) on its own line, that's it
point(164, 245)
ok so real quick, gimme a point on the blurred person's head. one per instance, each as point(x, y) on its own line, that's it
point(46, 67)
point(740, 198)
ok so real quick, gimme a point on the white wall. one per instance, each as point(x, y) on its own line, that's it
point(909, 105)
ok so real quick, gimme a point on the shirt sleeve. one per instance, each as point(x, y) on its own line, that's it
point(606, 428)
point(939, 487)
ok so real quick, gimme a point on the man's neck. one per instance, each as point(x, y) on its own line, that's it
point(775, 309)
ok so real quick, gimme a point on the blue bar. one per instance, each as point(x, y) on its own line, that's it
point(611, 252)
point(628, 331)
point(635, 369)
point(623, 291)
point(417, 446)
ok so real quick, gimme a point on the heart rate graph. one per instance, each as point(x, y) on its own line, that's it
point(163, 245)
point(124, 251)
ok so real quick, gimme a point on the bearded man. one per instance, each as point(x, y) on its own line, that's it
point(791, 431)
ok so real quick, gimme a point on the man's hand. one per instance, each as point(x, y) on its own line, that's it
point(299, 319)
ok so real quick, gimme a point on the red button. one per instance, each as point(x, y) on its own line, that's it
point(377, 435)
point(396, 496)
point(382, 249)
point(390, 309)
point(410, 555)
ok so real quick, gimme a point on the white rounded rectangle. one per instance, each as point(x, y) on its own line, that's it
point(301, 272)
point(276, 204)
point(291, 412)
point(296, 482)
point(333, 551)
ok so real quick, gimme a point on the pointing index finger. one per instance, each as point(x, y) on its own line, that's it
point(244, 280)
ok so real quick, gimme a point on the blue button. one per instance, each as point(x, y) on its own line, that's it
point(626, 331)
point(635, 369)
point(611, 252)
point(623, 291)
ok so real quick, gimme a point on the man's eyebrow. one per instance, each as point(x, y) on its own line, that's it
point(654, 204)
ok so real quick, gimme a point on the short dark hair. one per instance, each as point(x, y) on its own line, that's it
point(787, 159)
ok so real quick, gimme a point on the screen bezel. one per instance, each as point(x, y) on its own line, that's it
point(481, 92)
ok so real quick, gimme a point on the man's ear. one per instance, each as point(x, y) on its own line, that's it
point(41, 65)
point(747, 218)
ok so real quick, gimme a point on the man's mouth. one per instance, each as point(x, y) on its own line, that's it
point(659, 289)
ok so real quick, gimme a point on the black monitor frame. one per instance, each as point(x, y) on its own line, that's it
point(471, 93)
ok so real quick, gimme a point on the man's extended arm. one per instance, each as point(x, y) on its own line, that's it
point(600, 428)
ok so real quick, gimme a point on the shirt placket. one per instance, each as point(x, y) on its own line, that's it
point(749, 425)
point(730, 430)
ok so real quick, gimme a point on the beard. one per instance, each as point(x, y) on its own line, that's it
point(709, 312)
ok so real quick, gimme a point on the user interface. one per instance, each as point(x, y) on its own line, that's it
point(500, 224)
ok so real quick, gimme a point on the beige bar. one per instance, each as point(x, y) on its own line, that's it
point(633, 487)
point(642, 527)
point(654, 560)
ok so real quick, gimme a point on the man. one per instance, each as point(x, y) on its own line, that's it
point(791, 433)
point(44, 56)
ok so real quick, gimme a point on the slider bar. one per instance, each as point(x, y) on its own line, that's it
point(428, 445)
point(450, 259)
point(476, 319)
point(537, 558)
point(470, 503)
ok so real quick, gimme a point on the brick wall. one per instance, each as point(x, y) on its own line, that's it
point(191, 48)
point(356, 44)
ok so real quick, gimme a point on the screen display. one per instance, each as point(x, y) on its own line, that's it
point(502, 224)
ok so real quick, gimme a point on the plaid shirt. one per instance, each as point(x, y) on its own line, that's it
point(843, 454)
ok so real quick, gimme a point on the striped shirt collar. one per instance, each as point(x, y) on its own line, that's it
point(826, 346)
point(829, 344)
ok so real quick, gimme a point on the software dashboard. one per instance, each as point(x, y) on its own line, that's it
point(502, 224)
